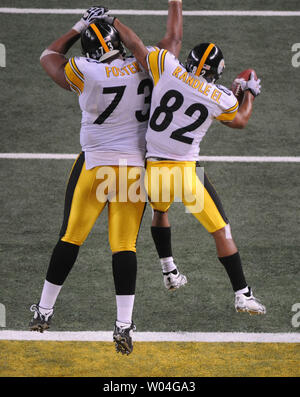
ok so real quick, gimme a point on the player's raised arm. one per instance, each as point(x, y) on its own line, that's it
point(130, 40)
point(53, 59)
point(173, 37)
point(171, 40)
point(251, 89)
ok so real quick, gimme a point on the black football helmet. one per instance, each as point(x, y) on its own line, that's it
point(101, 41)
point(206, 59)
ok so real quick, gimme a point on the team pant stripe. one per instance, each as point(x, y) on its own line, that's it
point(74, 176)
point(214, 196)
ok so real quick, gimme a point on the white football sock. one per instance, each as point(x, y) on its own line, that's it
point(242, 291)
point(49, 295)
point(167, 264)
point(124, 308)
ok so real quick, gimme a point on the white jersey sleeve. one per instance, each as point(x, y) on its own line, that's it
point(152, 48)
point(74, 73)
point(228, 106)
point(158, 62)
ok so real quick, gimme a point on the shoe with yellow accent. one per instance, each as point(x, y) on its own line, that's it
point(248, 303)
point(174, 280)
point(123, 337)
point(41, 318)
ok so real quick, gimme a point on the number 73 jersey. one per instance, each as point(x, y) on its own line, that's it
point(182, 109)
point(115, 102)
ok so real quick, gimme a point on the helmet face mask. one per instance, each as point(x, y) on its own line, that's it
point(206, 60)
point(101, 41)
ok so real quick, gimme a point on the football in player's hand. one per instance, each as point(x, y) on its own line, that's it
point(236, 85)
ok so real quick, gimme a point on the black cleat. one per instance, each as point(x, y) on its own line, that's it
point(123, 338)
point(40, 321)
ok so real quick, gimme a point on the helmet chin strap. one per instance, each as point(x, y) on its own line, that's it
point(104, 57)
point(108, 55)
point(210, 79)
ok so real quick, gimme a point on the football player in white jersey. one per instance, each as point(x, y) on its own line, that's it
point(114, 96)
point(185, 101)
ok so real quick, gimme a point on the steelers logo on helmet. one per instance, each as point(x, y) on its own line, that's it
point(221, 67)
point(101, 41)
point(206, 59)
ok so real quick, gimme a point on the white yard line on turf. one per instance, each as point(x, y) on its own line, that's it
point(101, 336)
point(38, 156)
point(227, 159)
point(251, 159)
point(266, 13)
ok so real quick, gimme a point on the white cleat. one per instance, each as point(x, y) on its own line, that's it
point(41, 318)
point(249, 304)
point(174, 281)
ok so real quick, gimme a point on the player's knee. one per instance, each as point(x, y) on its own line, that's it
point(160, 219)
point(160, 207)
point(160, 215)
point(223, 232)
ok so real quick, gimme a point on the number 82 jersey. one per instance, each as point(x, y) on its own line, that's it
point(182, 109)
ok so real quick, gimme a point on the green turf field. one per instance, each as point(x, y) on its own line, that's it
point(261, 200)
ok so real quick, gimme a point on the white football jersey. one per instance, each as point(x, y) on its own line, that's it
point(115, 102)
point(182, 109)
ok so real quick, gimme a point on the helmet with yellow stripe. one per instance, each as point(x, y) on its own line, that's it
point(206, 59)
point(101, 41)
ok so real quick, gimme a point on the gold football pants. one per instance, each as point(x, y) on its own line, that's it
point(86, 198)
point(165, 180)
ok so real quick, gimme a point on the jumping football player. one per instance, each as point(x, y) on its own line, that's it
point(114, 97)
point(185, 101)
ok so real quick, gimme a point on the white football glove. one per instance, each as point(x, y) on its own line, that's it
point(90, 15)
point(107, 19)
point(252, 85)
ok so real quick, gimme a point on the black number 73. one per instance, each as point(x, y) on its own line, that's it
point(119, 91)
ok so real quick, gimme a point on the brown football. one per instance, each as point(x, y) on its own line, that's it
point(236, 86)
